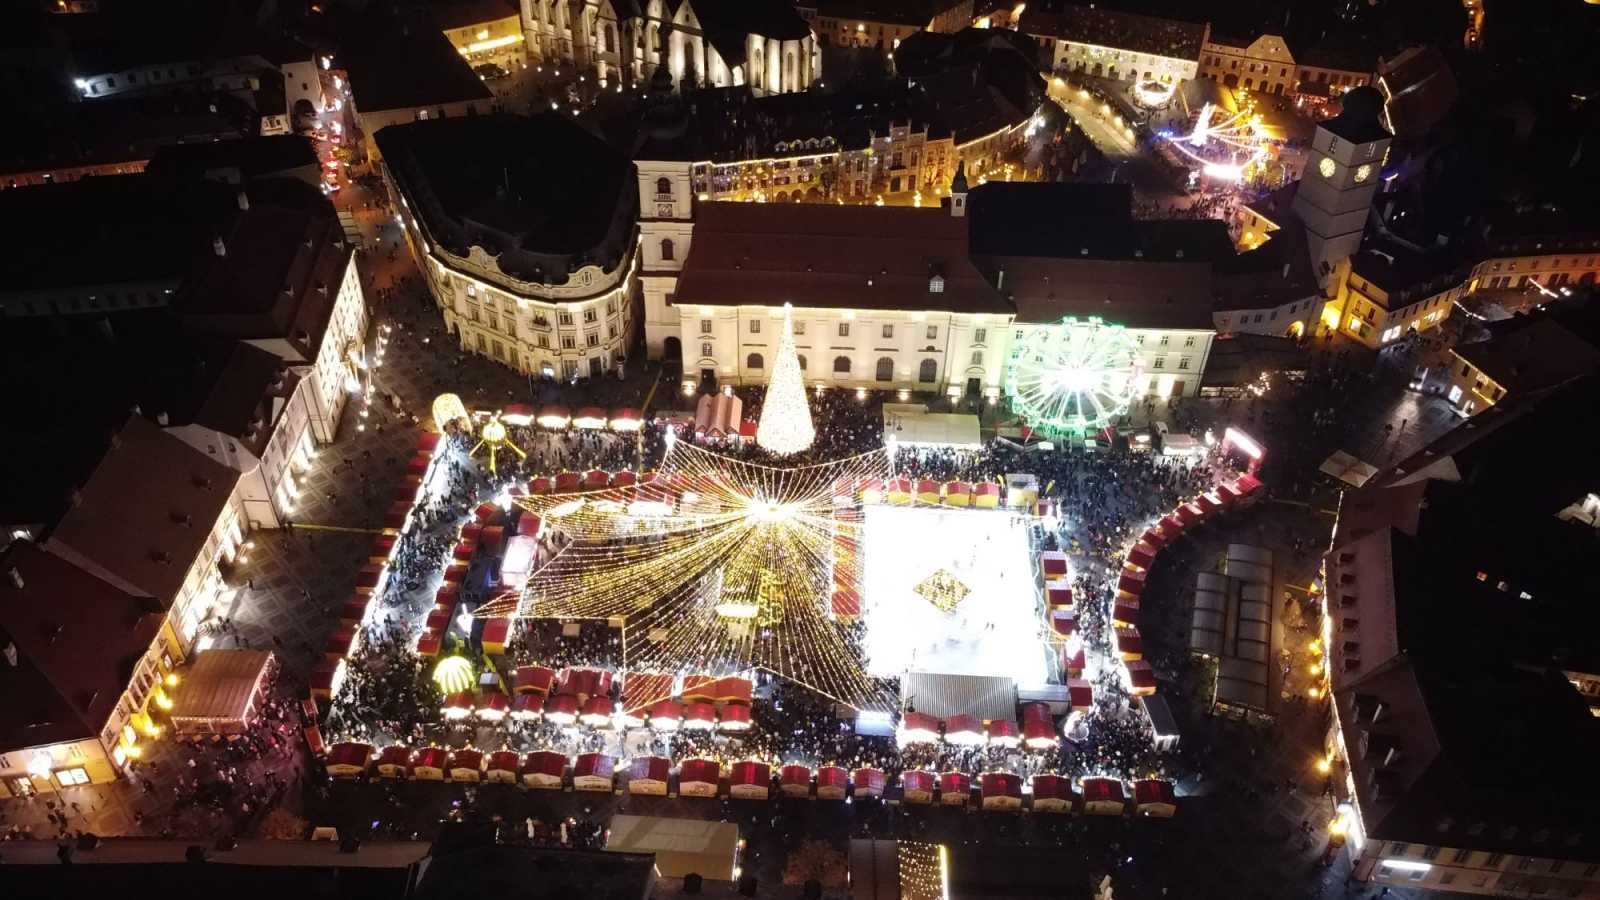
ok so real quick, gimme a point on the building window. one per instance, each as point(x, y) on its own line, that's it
point(568, 342)
point(1189, 341)
point(705, 326)
point(977, 357)
point(705, 349)
point(888, 331)
point(936, 284)
point(1165, 339)
point(841, 365)
point(754, 361)
point(564, 317)
point(844, 330)
point(592, 340)
point(1494, 860)
point(543, 342)
point(1430, 853)
point(666, 248)
point(70, 777)
point(885, 368)
point(1398, 848)
point(933, 332)
point(802, 358)
point(755, 326)
point(980, 335)
point(799, 328)
point(589, 316)
point(664, 188)
point(928, 371)
point(1183, 362)
point(1461, 856)
point(1160, 363)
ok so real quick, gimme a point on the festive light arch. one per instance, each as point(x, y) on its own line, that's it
point(715, 565)
point(1073, 377)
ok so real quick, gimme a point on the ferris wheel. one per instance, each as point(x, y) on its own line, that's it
point(1073, 377)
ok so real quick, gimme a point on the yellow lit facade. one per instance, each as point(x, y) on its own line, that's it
point(1363, 311)
point(498, 41)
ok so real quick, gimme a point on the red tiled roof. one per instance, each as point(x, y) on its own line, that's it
point(820, 256)
point(77, 640)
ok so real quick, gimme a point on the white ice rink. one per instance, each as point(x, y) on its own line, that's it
point(993, 631)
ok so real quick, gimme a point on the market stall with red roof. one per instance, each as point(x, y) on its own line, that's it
point(957, 493)
point(597, 712)
point(1053, 565)
point(899, 491)
point(492, 707)
point(986, 495)
point(1125, 611)
point(699, 716)
point(1076, 663)
point(964, 730)
point(1038, 726)
point(394, 761)
point(518, 414)
point(527, 707)
point(955, 788)
point(699, 778)
point(1103, 797)
point(1058, 593)
point(348, 759)
point(750, 780)
point(466, 765)
point(916, 786)
point(593, 772)
point(554, 417)
point(666, 715)
point(428, 764)
point(1130, 645)
point(1155, 797)
point(871, 491)
point(795, 780)
point(1081, 693)
point(568, 482)
point(1141, 678)
point(1053, 794)
point(1003, 733)
point(928, 491)
point(626, 419)
point(734, 717)
point(918, 728)
point(583, 682)
point(867, 782)
point(496, 632)
point(1063, 622)
point(1001, 790)
point(532, 679)
point(648, 775)
point(832, 782)
point(1142, 555)
point(561, 709)
point(544, 769)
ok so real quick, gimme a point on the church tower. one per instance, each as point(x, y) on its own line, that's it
point(1340, 179)
point(666, 209)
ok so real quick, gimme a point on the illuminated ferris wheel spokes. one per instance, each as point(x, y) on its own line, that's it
point(1073, 377)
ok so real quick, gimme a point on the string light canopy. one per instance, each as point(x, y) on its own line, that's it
point(785, 427)
point(715, 565)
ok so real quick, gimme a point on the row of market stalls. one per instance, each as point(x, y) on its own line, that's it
point(1038, 730)
point(576, 696)
point(1127, 641)
point(908, 491)
point(423, 476)
point(555, 417)
point(748, 779)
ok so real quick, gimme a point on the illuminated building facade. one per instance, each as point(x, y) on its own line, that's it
point(1388, 291)
point(885, 23)
point(484, 31)
point(534, 273)
point(1523, 354)
point(1267, 64)
point(765, 44)
point(1450, 744)
point(1122, 46)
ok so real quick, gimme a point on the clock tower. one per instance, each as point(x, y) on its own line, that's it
point(1340, 179)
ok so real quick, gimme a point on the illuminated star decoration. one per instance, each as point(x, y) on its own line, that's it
point(715, 565)
point(493, 435)
point(785, 427)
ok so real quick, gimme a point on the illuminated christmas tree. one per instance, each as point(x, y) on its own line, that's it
point(785, 426)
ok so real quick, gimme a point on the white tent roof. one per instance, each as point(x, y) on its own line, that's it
point(912, 425)
point(681, 846)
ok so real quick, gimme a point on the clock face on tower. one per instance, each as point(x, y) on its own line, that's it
point(1326, 167)
point(1363, 173)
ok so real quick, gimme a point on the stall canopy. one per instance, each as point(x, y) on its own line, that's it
point(681, 846)
point(222, 692)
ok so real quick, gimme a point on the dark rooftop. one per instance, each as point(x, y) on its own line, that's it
point(1120, 30)
point(77, 640)
point(487, 181)
point(728, 23)
point(252, 158)
point(1531, 352)
point(896, 12)
point(1083, 221)
point(449, 14)
point(120, 129)
point(408, 63)
point(1402, 271)
point(1360, 117)
point(818, 255)
point(107, 230)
